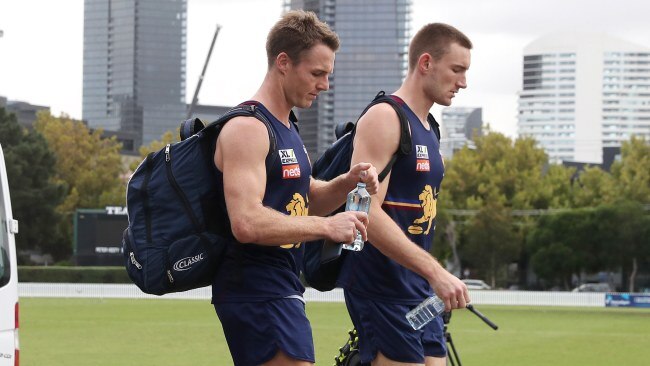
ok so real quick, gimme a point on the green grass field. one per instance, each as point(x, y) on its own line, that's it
point(99, 332)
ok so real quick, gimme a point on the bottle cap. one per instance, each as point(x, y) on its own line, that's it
point(361, 184)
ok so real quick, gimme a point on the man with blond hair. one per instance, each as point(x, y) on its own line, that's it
point(257, 293)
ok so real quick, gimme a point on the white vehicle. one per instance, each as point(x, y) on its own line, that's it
point(476, 285)
point(8, 275)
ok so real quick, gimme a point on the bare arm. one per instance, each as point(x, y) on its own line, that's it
point(241, 151)
point(376, 141)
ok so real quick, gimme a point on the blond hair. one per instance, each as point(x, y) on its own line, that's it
point(298, 31)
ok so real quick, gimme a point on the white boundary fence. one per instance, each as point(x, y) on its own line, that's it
point(479, 297)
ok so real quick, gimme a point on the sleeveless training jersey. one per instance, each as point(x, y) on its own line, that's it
point(411, 202)
point(252, 272)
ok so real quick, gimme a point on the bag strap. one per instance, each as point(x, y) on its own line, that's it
point(246, 109)
point(434, 125)
point(190, 127)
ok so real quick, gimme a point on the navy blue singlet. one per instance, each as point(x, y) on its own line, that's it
point(411, 202)
point(253, 272)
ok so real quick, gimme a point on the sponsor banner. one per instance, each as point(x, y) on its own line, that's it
point(422, 165)
point(627, 300)
point(291, 171)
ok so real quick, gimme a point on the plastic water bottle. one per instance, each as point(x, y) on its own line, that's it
point(425, 312)
point(358, 200)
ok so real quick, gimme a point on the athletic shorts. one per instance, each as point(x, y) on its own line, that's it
point(382, 327)
point(255, 331)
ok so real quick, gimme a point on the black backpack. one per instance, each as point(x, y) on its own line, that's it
point(177, 232)
point(323, 259)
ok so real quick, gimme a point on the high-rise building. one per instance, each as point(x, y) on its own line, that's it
point(582, 93)
point(373, 56)
point(134, 66)
point(458, 127)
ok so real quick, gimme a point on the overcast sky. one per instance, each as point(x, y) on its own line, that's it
point(41, 52)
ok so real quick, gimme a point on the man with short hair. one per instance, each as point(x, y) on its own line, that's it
point(257, 292)
point(394, 272)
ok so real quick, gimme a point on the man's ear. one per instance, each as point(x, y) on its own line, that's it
point(425, 63)
point(282, 62)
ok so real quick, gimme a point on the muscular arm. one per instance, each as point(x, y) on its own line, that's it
point(240, 154)
point(376, 141)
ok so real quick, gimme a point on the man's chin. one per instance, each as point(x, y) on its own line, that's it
point(305, 104)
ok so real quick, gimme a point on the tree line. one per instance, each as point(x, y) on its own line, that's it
point(506, 212)
point(503, 210)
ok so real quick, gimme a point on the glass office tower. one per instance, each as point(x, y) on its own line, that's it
point(134, 66)
point(373, 56)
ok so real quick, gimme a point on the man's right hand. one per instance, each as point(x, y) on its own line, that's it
point(342, 227)
point(452, 291)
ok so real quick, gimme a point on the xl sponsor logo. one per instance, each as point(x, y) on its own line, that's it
point(287, 156)
point(422, 152)
point(187, 262)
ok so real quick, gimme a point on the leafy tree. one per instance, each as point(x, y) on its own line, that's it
point(624, 237)
point(559, 246)
point(593, 187)
point(553, 263)
point(30, 167)
point(88, 165)
point(632, 172)
point(491, 243)
point(506, 175)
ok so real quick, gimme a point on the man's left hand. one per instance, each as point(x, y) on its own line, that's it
point(366, 173)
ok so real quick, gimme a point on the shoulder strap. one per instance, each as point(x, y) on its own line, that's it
point(247, 109)
point(434, 125)
point(294, 120)
point(405, 144)
point(190, 127)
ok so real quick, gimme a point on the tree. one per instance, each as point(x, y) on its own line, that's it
point(632, 172)
point(30, 168)
point(491, 243)
point(593, 187)
point(624, 234)
point(506, 175)
point(558, 247)
point(88, 165)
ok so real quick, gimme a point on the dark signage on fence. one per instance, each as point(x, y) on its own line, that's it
point(628, 300)
point(98, 236)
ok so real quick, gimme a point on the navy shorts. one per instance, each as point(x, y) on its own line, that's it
point(255, 331)
point(382, 327)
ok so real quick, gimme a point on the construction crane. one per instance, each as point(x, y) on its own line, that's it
point(195, 99)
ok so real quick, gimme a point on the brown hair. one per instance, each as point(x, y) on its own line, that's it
point(435, 39)
point(298, 31)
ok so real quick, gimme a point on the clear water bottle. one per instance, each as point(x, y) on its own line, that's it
point(358, 200)
point(425, 312)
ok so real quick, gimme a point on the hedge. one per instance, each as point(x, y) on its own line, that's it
point(72, 274)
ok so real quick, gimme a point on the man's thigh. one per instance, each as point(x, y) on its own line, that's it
point(383, 328)
point(256, 331)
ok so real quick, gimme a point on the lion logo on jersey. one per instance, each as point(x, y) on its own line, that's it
point(296, 207)
point(428, 204)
